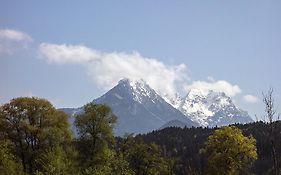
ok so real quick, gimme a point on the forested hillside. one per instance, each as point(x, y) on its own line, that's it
point(185, 145)
point(35, 139)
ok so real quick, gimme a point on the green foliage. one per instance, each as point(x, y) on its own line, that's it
point(57, 161)
point(95, 127)
point(184, 144)
point(33, 126)
point(9, 165)
point(120, 166)
point(35, 140)
point(145, 158)
point(229, 152)
point(181, 146)
point(96, 123)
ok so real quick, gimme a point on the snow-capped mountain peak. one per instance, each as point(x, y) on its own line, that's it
point(140, 109)
point(139, 90)
point(208, 97)
point(210, 108)
point(174, 100)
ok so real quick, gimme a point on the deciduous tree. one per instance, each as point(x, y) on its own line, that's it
point(33, 126)
point(271, 118)
point(9, 164)
point(145, 158)
point(95, 138)
point(229, 152)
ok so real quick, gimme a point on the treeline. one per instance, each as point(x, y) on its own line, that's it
point(185, 144)
point(35, 139)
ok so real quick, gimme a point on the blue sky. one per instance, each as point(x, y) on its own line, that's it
point(224, 45)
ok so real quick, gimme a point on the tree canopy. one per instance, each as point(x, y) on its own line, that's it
point(95, 138)
point(33, 126)
point(9, 164)
point(229, 152)
point(145, 158)
point(35, 139)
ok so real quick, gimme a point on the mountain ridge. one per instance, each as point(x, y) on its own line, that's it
point(210, 108)
point(140, 109)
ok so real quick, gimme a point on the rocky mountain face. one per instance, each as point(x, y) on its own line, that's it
point(140, 109)
point(209, 108)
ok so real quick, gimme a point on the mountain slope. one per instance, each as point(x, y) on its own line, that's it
point(211, 108)
point(174, 123)
point(138, 107)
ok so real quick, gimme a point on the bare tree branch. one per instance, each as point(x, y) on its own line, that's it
point(270, 110)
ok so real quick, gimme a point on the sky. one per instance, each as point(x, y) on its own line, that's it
point(71, 52)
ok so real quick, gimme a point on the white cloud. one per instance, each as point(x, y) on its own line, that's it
point(107, 69)
point(14, 35)
point(13, 40)
point(217, 86)
point(251, 99)
point(61, 54)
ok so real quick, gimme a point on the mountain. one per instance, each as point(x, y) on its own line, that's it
point(209, 108)
point(138, 107)
point(174, 123)
point(71, 112)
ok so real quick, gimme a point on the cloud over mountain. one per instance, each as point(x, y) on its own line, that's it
point(62, 54)
point(107, 69)
point(216, 86)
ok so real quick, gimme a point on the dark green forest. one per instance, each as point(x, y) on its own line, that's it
point(35, 139)
point(184, 145)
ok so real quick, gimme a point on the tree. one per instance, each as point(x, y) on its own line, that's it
point(57, 161)
point(271, 117)
point(120, 166)
point(95, 138)
point(9, 164)
point(145, 159)
point(229, 152)
point(33, 126)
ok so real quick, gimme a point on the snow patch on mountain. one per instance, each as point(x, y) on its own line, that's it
point(174, 100)
point(139, 108)
point(209, 108)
